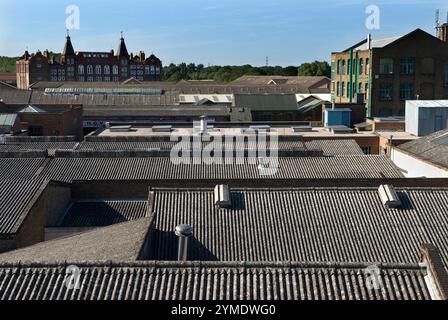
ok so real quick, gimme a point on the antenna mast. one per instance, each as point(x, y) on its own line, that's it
point(437, 22)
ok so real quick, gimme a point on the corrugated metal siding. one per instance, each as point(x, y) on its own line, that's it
point(14, 198)
point(102, 282)
point(103, 213)
point(303, 225)
point(67, 169)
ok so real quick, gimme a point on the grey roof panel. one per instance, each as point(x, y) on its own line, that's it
point(209, 281)
point(314, 225)
point(68, 169)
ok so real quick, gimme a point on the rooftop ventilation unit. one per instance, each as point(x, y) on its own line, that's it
point(302, 129)
point(121, 129)
point(162, 128)
point(260, 127)
point(339, 129)
point(389, 196)
point(222, 196)
point(183, 231)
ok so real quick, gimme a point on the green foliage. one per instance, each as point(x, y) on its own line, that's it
point(8, 64)
point(224, 74)
point(316, 68)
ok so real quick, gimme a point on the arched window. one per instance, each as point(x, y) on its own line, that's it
point(343, 89)
point(89, 69)
point(361, 66)
point(81, 69)
point(343, 67)
point(338, 89)
point(367, 66)
point(115, 69)
point(339, 67)
point(98, 69)
point(106, 69)
point(360, 88)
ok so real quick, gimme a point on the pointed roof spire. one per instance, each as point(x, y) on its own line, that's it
point(68, 48)
point(122, 50)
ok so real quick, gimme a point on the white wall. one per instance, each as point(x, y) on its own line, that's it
point(413, 167)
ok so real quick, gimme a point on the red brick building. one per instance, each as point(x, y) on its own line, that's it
point(87, 66)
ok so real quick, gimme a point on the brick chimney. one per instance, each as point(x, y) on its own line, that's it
point(142, 56)
point(443, 32)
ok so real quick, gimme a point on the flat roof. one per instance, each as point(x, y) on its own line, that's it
point(317, 132)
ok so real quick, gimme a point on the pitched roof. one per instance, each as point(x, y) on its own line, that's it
point(32, 109)
point(323, 147)
point(212, 281)
point(20, 168)
point(120, 242)
point(102, 213)
point(263, 102)
point(308, 224)
point(16, 199)
point(355, 166)
point(432, 148)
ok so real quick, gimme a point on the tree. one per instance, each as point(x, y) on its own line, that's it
point(316, 68)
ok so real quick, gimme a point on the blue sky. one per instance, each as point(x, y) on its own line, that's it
point(209, 31)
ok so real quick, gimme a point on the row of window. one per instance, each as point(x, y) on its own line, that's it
point(406, 92)
point(152, 70)
point(344, 90)
point(345, 67)
point(407, 66)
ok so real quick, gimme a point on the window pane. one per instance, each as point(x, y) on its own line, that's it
point(386, 66)
point(386, 92)
point(407, 65)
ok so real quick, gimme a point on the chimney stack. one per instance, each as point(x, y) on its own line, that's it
point(142, 56)
point(443, 32)
point(183, 231)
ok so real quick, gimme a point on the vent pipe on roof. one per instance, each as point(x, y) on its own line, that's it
point(203, 125)
point(389, 196)
point(222, 196)
point(183, 231)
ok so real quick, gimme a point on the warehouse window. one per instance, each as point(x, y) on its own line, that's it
point(360, 88)
point(407, 65)
point(367, 66)
point(338, 89)
point(343, 89)
point(386, 66)
point(89, 69)
point(361, 66)
point(406, 91)
point(98, 69)
point(386, 93)
point(81, 69)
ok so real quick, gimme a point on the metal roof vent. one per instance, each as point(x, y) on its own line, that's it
point(389, 196)
point(222, 196)
point(183, 231)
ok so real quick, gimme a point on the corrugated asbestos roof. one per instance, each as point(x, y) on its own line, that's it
point(22, 146)
point(7, 119)
point(315, 225)
point(119, 242)
point(328, 148)
point(15, 196)
point(432, 148)
point(68, 169)
point(262, 102)
point(19, 168)
point(103, 213)
point(210, 281)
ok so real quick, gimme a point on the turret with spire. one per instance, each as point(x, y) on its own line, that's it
point(68, 48)
point(122, 50)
